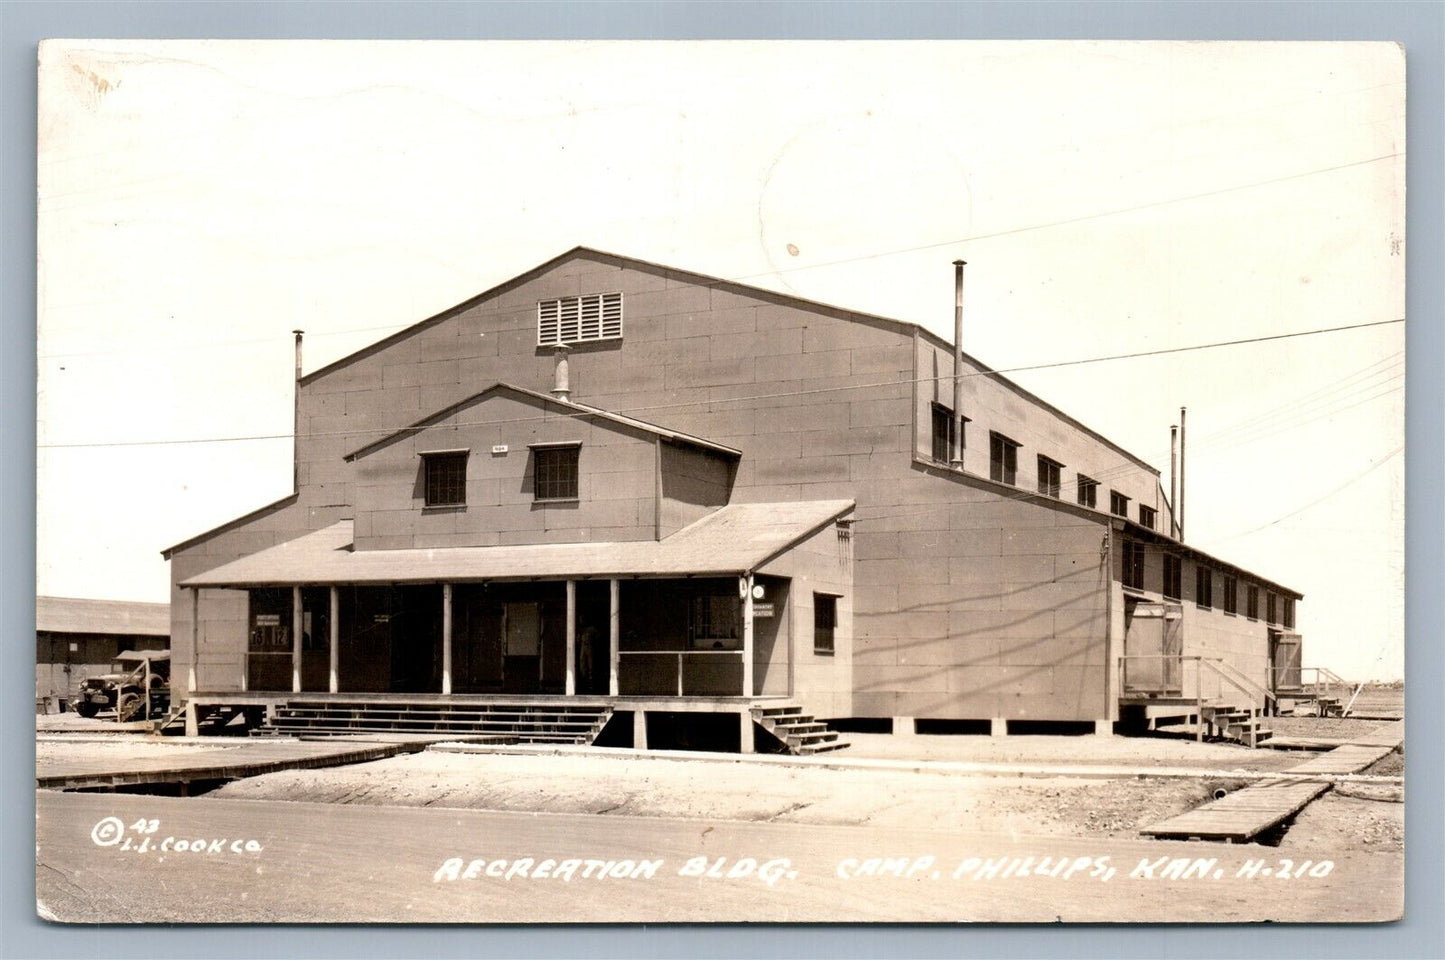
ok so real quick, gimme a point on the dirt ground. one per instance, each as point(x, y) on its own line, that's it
point(1158, 750)
point(1342, 728)
point(84, 749)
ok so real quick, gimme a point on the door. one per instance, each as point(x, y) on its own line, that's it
point(1284, 659)
point(522, 649)
point(1153, 649)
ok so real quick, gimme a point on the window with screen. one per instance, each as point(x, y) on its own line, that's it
point(555, 473)
point(1251, 601)
point(1088, 492)
point(446, 478)
point(579, 319)
point(1146, 516)
point(1271, 607)
point(1289, 612)
point(1118, 504)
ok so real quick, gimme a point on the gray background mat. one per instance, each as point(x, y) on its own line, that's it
point(1419, 26)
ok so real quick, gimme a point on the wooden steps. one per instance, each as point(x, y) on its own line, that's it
point(1240, 724)
point(797, 731)
point(540, 722)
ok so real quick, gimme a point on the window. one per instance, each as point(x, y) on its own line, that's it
point(1003, 458)
point(1049, 476)
point(446, 478)
point(1271, 609)
point(1203, 587)
point(1173, 577)
point(1289, 612)
point(1133, 565)
point(1251, 602)
point(716, 621)
point(945, 426)
point(1230, 591)
point(1088, 492)
point(555, 474)
point(1118, 504)
point(579, 319)
point(825, 621)
point(1146, 516)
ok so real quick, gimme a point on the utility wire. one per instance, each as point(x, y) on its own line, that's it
point(768, 396)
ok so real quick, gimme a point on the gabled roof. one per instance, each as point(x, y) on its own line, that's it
point(569, 407)
point(729, 541)
point(904, 327)
point(119, 617)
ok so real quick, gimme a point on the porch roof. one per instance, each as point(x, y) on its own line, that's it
point(732, 540)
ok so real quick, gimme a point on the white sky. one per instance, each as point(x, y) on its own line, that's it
point(199, 200)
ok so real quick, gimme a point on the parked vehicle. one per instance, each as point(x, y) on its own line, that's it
point(138, 686)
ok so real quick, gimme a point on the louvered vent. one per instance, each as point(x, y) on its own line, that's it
point(579, 319)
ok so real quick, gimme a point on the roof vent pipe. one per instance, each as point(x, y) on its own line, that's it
point(298, 333)
point(296, 419)
point(1173, 481)
point(956, 453)
point(561, 389)
point(1181, 474)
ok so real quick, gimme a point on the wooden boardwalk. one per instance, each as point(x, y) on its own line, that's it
point(1246, 813)
point(192, 764)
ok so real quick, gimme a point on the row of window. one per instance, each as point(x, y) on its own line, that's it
point(1003, 467)
point(554, 475)
point(1277, 609)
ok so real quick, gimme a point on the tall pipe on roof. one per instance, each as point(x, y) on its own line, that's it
point(956, 445)
point(296, 420)
point(1181, 474)
point(1173, 480)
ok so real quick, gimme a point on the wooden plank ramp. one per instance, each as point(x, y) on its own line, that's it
point(1245, 814)
point(192, 764)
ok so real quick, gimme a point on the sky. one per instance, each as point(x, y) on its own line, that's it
point(200, 200)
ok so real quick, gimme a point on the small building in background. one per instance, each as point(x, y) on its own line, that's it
point(77, 638)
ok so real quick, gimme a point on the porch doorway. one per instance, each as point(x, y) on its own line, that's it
point(1153, 648)
point(1284, 660)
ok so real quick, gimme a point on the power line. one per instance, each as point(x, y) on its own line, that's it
point(755, 397)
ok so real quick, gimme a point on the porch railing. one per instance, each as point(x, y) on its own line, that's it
point(681, 658)
point(1210, 676)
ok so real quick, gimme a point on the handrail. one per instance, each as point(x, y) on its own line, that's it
point(1258, 688)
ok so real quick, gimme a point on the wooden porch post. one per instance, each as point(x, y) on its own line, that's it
point(747, 585)
point(571, 688)
point(335, 621)
point(195, 645)
point(446, 638)
point(614, 636)
point(296, 622)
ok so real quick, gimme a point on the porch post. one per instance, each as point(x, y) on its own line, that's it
point(446, 638)
point(195, 645)
point(335, 620)
point(747, 583)
point(571, 688)
point(614, 636)
point(296, 622)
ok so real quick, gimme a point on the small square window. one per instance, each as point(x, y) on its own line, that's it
point(1003, 459)
point(825, 622)
point(1146, 516)
point(1088, 492)
point(1118, 504)
point(1050, 472)
point(446, 478)
point(555, 473)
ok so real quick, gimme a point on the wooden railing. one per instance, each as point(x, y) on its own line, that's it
point(681, 658)
point(1214, 667)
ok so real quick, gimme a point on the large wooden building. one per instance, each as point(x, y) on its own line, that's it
point(76, 639)
point(665, 494)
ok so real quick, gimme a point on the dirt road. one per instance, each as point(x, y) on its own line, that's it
point(318, 862)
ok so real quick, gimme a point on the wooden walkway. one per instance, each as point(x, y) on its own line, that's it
point(1246, 813)
point(192, 764)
